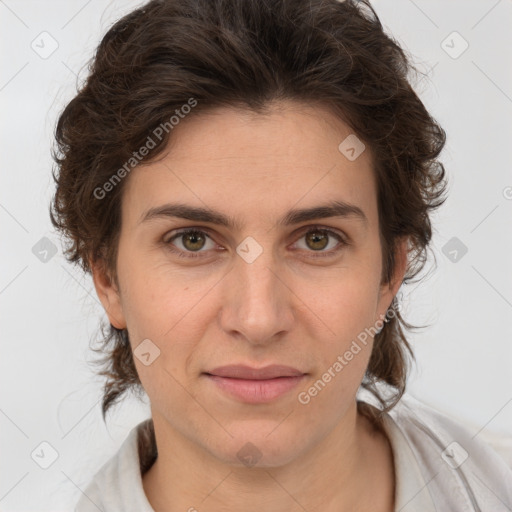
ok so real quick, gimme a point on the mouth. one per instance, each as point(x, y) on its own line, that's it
point(255, 385)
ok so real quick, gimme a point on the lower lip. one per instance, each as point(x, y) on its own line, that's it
point(256, 391)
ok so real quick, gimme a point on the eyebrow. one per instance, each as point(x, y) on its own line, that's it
point(296, 216)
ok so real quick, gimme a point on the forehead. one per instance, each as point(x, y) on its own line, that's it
point(238, 161)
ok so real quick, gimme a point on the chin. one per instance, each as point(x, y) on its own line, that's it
point(259, 446)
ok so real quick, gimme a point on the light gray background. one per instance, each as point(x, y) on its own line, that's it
point(50, 311)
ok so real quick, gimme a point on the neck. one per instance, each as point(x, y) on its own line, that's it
point(335, 474)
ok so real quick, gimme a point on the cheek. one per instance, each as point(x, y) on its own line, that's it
point(170, 310)
point(347, 306)
point(344, 352)
point(157, 299)
point(347, 303)
point(168, 318)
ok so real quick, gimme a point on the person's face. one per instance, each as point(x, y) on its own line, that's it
point(211, 299)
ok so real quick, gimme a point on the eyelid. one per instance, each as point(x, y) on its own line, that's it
point(183, 231)
point(334, 231)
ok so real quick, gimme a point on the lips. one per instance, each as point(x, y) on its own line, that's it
point(255, 385)
point(246, 372)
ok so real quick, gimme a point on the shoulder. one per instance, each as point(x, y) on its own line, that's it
point(118, 483)
point(461, 471)
point(90, 499)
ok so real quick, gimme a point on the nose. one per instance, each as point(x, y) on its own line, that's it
point(259, 303)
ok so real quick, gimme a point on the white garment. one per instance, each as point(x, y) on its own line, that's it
point(439, 467)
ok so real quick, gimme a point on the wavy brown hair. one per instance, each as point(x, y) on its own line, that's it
point(248, 54)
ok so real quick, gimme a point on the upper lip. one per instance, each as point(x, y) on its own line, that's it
point(247, 372)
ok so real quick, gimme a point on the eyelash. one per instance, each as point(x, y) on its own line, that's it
point(190, 254)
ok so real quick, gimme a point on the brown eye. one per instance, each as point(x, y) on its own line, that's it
point(186, 243)
point(193, 240)
point(324, 242)
point(317, 240)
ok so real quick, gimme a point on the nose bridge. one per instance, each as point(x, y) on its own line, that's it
point(259, 305)
point(258, 282)
point(255, 267)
